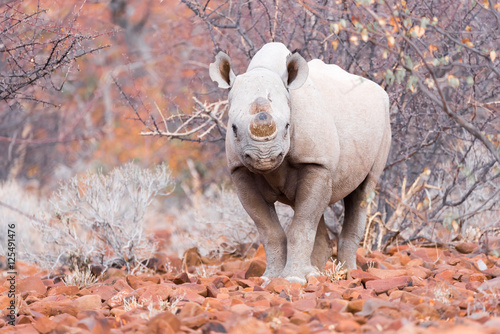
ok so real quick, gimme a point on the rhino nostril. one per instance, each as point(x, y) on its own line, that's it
point(280, 156)
point(247, 156)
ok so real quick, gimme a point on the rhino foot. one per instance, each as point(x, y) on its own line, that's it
point(301, 276)
point(296, 279)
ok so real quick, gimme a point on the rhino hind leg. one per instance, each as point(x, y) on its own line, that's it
point(354, 225)
point(322, 250)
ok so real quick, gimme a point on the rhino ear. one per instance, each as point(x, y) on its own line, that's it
point(297, 71)
point(221, 71)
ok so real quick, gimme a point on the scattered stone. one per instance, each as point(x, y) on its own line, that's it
point(363, 276)
point(385, 273)
point(89, 302)
point(44, 325)
point(67, 290)
point(181, 278)
point(31, 284)
point(466, 247)
point(164, 323)
point(257, 268)
point(384, 285)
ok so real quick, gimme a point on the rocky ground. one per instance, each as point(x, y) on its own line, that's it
point(407, 290)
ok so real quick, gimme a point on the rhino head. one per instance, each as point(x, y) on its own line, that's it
point(260, 105)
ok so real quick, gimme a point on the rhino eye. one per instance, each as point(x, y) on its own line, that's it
point(235, 130)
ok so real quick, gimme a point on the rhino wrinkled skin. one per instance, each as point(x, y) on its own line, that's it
point(306, 134)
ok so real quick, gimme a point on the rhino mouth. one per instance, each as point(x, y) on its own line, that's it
point(262, 165)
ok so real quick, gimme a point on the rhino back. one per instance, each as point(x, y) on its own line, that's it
point(339, 121)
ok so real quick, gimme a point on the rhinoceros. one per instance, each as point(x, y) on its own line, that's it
point(307, 134)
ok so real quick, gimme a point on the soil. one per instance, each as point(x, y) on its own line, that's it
point(408, 289)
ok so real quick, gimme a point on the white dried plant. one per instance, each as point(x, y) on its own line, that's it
point(100, 217)
point(336, 273)
point(80, 277)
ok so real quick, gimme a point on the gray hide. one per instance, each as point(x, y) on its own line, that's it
point(307, 135)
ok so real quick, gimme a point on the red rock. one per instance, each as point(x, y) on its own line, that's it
point(373, 304)
point(68, 290)
point(354, 293)
point(191, 257)
point(164, 323)
point(190, 310)
point(232, 266)
point(445, 276)
point(222, 281)
point(24, 319)
point(199, 289)
point(419, 272)
point(44, 325)
point(213, 303)
point(273, 282)
point(154, 293)
point(425, 312)
point(88, 302)
point(84, 292)
point(103, 291)
point(212, 291)
point(52, 308)
point(122, 286)
point(466, 247)
point(363, 276)
point(304, 305)
point(245, 283)
point(413, 299)
point(384, 285)
point(300, 318)
point(393, 261)
point(250, 325)
point(213, 327)
point(361, 261)
point(256, 269)
point(242, 309)
point(355, 306)
point(137, 282)
point(473, 286)
point(387, 273)
point(114, 273)
point(415, 262)
point(87, 323)
point(31, 284)
point(181, 278)
point(347, 326)
point(65, 319)
point(477, 277)
point(24, 329)
point(492, 285)
point(190, 295)
point(450, 312)
point(4, 302)
point(195, 321)
point(92, 314)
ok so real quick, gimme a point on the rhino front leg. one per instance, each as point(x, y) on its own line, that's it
point(313, 194)
point(322, 250)
point(266, 220)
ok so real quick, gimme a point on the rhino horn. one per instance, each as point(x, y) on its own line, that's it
point(263, 127)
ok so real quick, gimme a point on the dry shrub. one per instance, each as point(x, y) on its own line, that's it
point(99, 218)
point(216, 224)
point(19, 207)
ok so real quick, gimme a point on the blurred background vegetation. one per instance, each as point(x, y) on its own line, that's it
point(92, 85)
